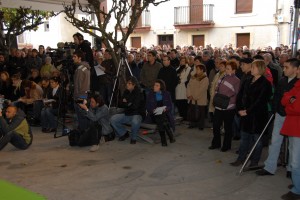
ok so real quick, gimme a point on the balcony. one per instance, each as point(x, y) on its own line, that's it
point(144, 23)
point(194, 17)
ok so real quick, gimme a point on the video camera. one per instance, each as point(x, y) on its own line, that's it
point(4, 103)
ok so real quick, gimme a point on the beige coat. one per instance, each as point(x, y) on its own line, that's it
point(198, 90)
point(212, 90)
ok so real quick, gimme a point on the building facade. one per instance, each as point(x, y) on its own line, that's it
point(254, 23)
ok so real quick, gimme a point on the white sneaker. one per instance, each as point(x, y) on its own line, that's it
point(94, 148)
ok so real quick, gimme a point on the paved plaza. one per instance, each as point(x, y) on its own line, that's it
point(121, 171)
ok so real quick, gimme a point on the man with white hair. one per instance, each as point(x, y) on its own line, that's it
point(275, 69)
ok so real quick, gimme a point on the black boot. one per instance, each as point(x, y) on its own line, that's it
point(170, 134)
point(163, 138)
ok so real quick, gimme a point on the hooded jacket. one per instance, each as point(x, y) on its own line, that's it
point(81, 80)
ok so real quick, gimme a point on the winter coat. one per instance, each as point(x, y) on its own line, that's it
point(149, 74)
point(180, 90)
point(254, 99)
point(169, 76)
point(197, 88)
point(212, 90)
point(151, 104)
point(291, 125)
point(135, 104)
point(283, 86)
point(229, 85)
point(81, 80)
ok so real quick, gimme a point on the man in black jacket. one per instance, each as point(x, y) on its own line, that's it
point(168, 74)
point(133, 102)
point(284, 85)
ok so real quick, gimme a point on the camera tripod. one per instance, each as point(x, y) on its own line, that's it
point(61, 113)
point(124, 64)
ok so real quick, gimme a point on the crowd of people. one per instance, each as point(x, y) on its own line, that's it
point(239, 89)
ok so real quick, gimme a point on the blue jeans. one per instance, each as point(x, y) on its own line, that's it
point(48, 118)
point(274, 148)
point(247, 142)
point(294, 149)
point(15, 139)
point(118, 120)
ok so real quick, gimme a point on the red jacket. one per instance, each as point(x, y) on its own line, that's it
point(291, 125)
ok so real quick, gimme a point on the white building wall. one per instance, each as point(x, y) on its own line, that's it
point(60, 30)
point(261, 24)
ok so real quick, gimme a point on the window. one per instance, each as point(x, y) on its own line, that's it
point(243, 6)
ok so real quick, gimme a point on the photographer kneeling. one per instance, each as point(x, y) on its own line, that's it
point(98, 116)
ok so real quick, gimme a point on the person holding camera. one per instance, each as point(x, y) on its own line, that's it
point(14, 129)
point(81, 86)
point(98, 115)
point(133, 101)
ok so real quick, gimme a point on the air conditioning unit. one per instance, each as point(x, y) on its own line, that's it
point(280, 18)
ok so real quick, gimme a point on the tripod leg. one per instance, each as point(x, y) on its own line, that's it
point(115, 83)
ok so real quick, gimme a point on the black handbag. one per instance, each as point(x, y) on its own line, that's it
point(221, 101)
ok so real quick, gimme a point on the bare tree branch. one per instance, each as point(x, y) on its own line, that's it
point(119, 10)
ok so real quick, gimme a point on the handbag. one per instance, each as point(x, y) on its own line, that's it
point(221, 100)
point(193, 113)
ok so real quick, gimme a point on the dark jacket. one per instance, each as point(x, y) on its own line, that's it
point(85, 46)
point(135, 104)
point(169, 76)
point(175, 62)
point(254, 99)
point(282, 87)
point(110, 72)
point(57, 97)
point(210, 64)
point(6, 89)
point(151, 104)
point(135, 70)
point(18, 124)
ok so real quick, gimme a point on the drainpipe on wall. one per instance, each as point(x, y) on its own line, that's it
point(295, 29)
point(277, 24)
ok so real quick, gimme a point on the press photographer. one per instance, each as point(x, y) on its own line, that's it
point(98, 116)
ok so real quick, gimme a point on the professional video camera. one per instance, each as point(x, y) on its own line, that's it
point(4, 103)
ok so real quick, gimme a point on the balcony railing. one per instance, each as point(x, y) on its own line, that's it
point(197, 14)
point(144, 21)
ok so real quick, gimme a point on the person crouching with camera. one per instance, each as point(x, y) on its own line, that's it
point(98, 115)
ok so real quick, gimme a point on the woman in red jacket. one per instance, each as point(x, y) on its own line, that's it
point(291, 127)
